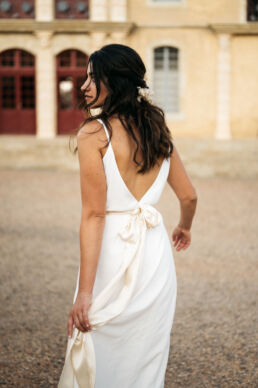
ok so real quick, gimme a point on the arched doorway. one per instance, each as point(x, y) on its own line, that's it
point(17, 92)
point(71, 71)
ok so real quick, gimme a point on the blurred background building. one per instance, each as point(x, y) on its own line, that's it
point(201, 58)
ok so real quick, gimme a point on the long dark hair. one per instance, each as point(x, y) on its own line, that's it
point(122, 71)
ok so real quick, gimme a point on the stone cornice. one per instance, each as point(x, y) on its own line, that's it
point(171, 26)
point(63, 26)
point(250, 28)
point(82, 26)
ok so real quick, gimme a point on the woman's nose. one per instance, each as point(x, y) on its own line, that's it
point(85, 86)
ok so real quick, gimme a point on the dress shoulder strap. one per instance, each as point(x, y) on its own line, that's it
point(105, 128)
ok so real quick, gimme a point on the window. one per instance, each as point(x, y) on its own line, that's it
point(71, 66)
point(252, 10)
point(72, 9)
point(17, 92)
point(7, 58)
point(16, 58)
point(8, 92)
point(18, 80)
point(27, 92)
point(19, 9)
point(166, 78)
point(166, 3)
point(27, 59)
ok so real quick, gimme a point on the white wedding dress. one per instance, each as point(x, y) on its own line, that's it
point(134, 294)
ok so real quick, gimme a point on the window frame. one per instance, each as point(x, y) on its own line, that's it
point(173, 116)
point(166, 3)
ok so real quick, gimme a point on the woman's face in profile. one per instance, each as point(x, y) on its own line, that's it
point(90, 90)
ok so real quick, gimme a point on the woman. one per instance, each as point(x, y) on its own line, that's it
point(120, 323)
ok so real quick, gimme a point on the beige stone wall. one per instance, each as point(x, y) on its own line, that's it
point(197, 63)
point(218, 70)
point(244, 91)
point(185, 12)
point(24, 41)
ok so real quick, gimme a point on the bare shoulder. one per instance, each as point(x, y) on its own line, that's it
point(91, 137)
point(89, 128)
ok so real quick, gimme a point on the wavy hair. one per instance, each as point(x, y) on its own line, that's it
point(122, 71)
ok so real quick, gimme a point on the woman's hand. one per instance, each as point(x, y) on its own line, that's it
point(181, 238)
point(78, 315)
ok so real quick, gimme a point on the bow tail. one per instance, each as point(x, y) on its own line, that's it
point(80, 363)
point(131, 250)
point(115, 308)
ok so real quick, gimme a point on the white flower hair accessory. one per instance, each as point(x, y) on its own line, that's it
point(145, 93)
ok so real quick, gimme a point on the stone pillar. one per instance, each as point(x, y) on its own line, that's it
point(223, 88)
point(117, 13)
point(98, 10)
point(46, 87)
point(118, 10)
point(243, 11)
point(44, 10)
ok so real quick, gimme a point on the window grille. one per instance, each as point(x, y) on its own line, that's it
point(19, 9)
point(8, 92)
point(27, 92)
point(166, 78)
point(7, 58)
point(71, 9)
point(17, 86)
point(252, 10)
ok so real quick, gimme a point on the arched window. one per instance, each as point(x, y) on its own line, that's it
point(17, 92)
point(166, 78)
point(252, 10)
point(71, 70)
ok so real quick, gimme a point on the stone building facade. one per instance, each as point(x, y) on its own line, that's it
point(201, 59)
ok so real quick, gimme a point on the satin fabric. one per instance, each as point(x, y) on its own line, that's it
point(131, 260)
point(80, 363)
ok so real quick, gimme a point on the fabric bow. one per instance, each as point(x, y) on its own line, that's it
point(147, 215)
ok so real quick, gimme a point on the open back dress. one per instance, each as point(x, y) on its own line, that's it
point(134, 294)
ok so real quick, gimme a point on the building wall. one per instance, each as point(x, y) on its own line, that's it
point(184, 12)
point(197, 69)
point(217, 61)
point(244, 92)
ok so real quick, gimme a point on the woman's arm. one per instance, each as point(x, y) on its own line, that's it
point(186, 194)
point(93, 197)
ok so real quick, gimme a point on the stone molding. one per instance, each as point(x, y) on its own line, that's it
point(249, 28)
point(63, 26)
point(223, 87)
point(74, 26)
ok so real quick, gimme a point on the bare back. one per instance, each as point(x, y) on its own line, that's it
point(124, 147)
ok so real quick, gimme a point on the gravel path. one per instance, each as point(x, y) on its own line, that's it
point(214, 337)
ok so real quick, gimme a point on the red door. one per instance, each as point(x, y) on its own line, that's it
point(17, 93)
point(71, 70)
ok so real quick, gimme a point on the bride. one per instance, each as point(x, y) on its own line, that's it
point(120, 322)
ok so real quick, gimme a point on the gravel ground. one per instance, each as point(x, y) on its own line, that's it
point(214, 337)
